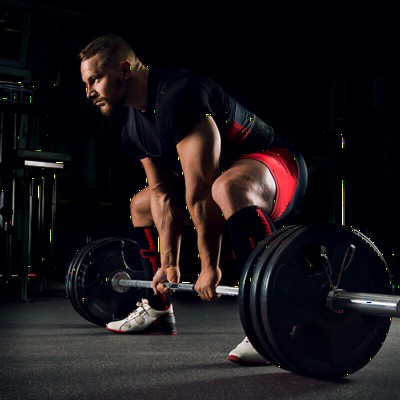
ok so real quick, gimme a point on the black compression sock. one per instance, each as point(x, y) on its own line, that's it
point(147, 239)
point(247, 227)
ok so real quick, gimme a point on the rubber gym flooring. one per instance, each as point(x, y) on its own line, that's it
point(48, 351)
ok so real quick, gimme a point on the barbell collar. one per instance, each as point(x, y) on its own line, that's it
point(381, 305)
point(182, 287)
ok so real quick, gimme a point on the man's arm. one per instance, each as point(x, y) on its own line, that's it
point(199, 154)
point(167, 208)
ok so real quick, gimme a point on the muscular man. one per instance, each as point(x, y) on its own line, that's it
point(203, 154)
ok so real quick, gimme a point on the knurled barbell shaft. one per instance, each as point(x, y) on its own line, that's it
point(184, 287)
point(337, 300)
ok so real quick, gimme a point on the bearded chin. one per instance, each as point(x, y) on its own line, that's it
point(111, 110)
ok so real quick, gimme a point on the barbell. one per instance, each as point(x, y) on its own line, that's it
point(316, 299)
point(337, 300)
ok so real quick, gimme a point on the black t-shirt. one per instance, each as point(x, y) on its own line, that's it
point(176, 101)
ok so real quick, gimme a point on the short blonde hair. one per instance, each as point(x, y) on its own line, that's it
point(111, 49)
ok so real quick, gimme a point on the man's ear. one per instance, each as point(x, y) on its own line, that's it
point(126, 69)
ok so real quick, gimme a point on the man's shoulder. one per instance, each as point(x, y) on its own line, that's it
point(169, 77)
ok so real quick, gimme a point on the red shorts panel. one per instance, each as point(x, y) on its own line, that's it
point(283, 166)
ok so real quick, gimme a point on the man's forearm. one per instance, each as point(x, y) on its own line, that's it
point(208, 223)
point(168, 218)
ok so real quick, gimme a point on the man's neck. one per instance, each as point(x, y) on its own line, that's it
point(138, 89)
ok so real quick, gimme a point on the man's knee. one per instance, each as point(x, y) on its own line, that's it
point(229, 194)
point(140, 209)
point(233, 191)
point(221, 190)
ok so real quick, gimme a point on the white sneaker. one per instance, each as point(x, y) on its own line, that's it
point(245, 354)
point(146, 319)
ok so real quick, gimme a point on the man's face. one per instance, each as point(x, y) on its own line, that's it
point(105, 85)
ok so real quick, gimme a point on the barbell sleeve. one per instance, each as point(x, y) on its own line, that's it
point(184, 287)
point(381, 305)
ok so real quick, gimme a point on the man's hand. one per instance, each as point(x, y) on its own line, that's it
point(171, 274)
point(207, 282)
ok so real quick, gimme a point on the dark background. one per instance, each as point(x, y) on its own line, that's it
point(319, 74)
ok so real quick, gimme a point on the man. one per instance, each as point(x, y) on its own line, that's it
point(204, 154)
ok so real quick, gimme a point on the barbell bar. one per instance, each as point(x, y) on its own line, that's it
point(315, 300)
point(337, 300)
point(180, 287)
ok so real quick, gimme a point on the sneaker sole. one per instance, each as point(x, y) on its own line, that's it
point(240, 361)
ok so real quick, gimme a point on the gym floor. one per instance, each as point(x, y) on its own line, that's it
point(48, 351)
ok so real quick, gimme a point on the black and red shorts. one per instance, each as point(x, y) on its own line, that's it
point(284, 167)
